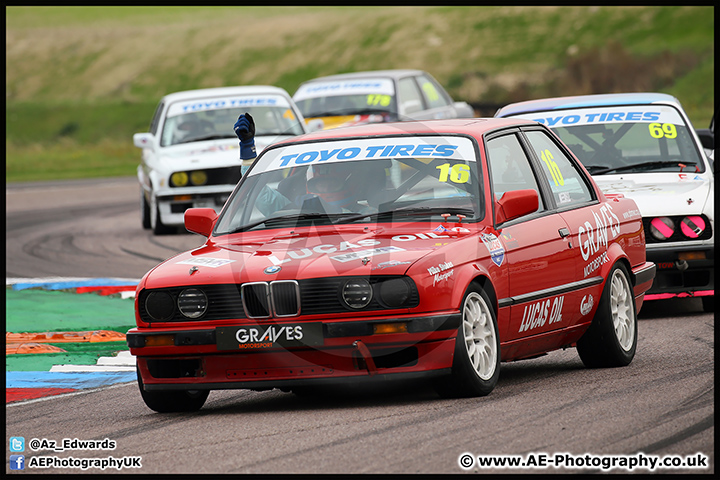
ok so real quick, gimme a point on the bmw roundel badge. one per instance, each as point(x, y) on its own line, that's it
point(272, 269)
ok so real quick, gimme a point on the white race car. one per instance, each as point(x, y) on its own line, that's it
point(643, 146)
point(190, 156)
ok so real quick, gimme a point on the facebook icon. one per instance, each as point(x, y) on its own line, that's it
point(17, 462)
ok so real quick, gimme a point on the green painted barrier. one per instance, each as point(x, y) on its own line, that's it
point(76, 354)
point(57, 311)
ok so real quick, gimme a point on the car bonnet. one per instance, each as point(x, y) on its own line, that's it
point(663, 193)
point(284, 256)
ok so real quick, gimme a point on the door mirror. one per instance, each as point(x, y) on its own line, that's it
point(200, 220)
point(515, 204)
point(315, 125)
point(464, 110)
point(144, 140)
point(707, 138)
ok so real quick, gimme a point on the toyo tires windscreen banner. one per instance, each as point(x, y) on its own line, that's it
point(457, 148)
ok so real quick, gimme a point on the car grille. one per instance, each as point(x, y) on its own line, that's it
point(219, 176)
point(262, 299)
point(283, 298)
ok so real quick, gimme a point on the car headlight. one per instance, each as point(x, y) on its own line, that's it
point(178, 179)
point(357, 293)
point(692, 226)
point(198, 177)
point(160, 306)
point(192, 303)
point(662, 228)
point(394, 292)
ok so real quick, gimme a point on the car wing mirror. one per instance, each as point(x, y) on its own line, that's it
point(200, 220)
point(464, 109)
point(515, 204)
point(707, 138)
point(315, 124)
point(144, 140)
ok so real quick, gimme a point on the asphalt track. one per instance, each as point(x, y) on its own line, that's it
point(661, 405)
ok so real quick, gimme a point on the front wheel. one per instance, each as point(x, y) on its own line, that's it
point(144, 211)
point(476, 361)
point(708, 304)
point(158, 227)
point(173, 400)
point(611, 339)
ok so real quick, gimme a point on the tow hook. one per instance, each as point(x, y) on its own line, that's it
point(681, 265)
point(365, 353)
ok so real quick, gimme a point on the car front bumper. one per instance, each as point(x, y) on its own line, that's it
point(682, 272)
point(172, 207)
point(348, 353)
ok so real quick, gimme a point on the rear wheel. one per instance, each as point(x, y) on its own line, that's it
point(611, 339)
point(173, 400)
point(476, 362)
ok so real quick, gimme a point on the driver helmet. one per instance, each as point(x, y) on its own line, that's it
point(332, 182)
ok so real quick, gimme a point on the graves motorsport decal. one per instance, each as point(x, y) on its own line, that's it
point(267, 336)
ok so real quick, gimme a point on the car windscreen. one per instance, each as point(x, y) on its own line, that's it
point(381, 179)
point(627, 139)
point(346, 97)
point(212, 118)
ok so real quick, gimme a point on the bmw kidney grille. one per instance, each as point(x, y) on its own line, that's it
point(262, 299)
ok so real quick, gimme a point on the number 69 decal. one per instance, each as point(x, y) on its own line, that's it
point(658, 130)
point(458, 173)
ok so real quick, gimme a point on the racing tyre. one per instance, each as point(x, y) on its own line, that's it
point(173, 400)
point(611, 339)
point(157, 226)
point(144, 211)
point(708, 303)
point(476, 362)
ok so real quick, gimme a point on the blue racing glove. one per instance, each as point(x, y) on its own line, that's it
point(245, 131)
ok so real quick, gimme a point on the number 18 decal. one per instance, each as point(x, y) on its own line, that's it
point(382, 100)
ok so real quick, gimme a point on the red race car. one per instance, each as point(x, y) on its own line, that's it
point(430, 249)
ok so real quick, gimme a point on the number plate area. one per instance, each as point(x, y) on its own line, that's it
point(258, 337)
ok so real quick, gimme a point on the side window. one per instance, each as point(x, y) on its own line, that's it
point(567, 183)
point(510, 167)
point(409, 97)
point(155, 123)
point(432, 92)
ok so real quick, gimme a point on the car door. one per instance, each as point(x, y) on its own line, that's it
point(437, 102)
point(410, 100)
point(540, 261)
point(591, 224)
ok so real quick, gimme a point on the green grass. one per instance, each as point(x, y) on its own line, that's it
point(81, 80)
point(67, 160)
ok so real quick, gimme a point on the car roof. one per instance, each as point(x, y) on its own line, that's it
point(225, 91)
point(468, 126)
point(394, 74)
point(579, 101)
